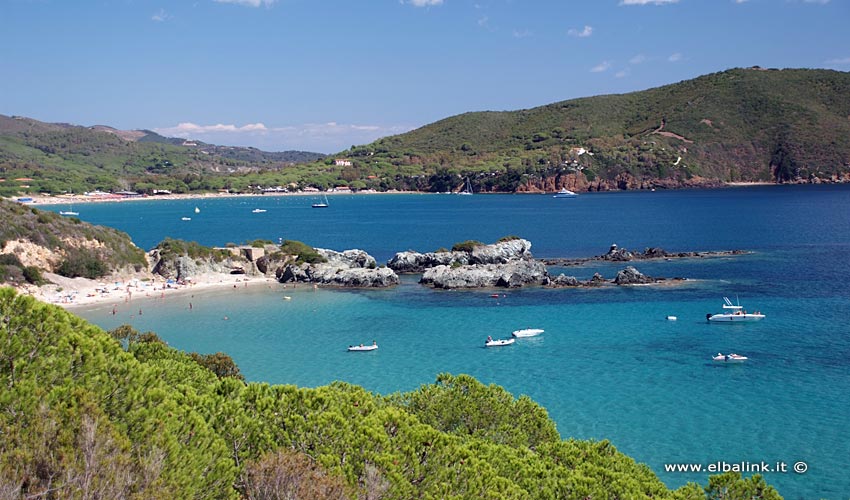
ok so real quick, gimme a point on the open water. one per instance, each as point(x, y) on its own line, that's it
point(609, 365)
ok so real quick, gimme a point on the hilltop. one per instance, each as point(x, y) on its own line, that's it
point(741, 125)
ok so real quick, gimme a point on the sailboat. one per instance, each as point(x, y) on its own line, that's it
point(321, 204)
point(70, 212)
point(467, 188)
point(197, 210)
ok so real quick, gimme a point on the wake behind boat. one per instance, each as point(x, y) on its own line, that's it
point(527, 332)
point(734, 313)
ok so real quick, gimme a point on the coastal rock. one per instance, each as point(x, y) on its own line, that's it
point(497, 253)
point(184, 267)
point(617, 254)
point(562, 281)
point(631, 276)
point(513, 274)
point(351, 268)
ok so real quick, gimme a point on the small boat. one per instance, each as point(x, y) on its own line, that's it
point(467, 188)
point(490, 342)
point(321, 204)
point(729, 358)
point(565, 193)
point(735, 314)
point(258, 211)
point(672, 318)
point(527, 332)
point(69, 213)
point(287, 297)
point(197, 210)
point(185, 218)
point(494, 295)
point(361, 347)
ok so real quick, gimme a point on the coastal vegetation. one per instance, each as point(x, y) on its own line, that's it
point(34, 240)
point(740, 125)
point(86, 415)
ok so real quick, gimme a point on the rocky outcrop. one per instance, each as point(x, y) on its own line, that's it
point(351, 268)
point(631, 276)
point(183, 267)
point(617, 254)
point(497, 253)
point(512, 274)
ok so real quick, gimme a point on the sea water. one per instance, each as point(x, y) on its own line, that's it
point(609, 365)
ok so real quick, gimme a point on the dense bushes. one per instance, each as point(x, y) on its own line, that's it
point(304, 253)
point(82, 264)
point(83, 418)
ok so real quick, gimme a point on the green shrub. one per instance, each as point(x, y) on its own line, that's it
point(304, 253)
point(508, 238)
point(9, 259)
point(466, 246)
point(82, 264)
point(33, 275)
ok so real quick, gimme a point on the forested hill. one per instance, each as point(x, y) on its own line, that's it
point(86, 414)
point(58, 157)
point(790, 125)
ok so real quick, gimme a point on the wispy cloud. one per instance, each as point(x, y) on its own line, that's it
point(482, 21)
point(622, 73)
point(160, 16)
point(647, 2)
point(638, 59)
point(842, 60)
point(741, 1)
point(249, 3)
point(522, 33)
point(599, 68)
point(822, 2)
point(582, 33)
point(327, 137)
point(675, 57)
point(424, 3)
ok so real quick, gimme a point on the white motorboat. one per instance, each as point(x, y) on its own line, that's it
point(185, 218)
point(734, 313)
point(258, 211)
point(69, 213)
point(361, 347)
point(565, 193)
point(672, 318)
point(527, 332)
point(490, 342)
point(729, 358)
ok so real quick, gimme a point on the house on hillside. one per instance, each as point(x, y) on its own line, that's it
point(342, 162)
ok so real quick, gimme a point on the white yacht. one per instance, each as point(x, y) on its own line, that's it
point(734, 313)
point(565, 193)
point(527, 332)
point(729, 358)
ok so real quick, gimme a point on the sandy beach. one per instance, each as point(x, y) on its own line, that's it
point(65, 199)
point(125, 292)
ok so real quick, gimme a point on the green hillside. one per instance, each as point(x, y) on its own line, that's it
point(741, 125)
point(85, 414)
point(788, 125)
point(33, 240)
point(55, 158)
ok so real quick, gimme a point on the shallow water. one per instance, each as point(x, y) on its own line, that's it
point(609, 365)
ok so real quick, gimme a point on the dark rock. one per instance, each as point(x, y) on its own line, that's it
point(631, 276)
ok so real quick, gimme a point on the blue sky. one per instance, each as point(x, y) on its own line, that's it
point(321, 75)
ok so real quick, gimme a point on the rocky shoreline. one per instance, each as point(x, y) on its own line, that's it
point(616, 254)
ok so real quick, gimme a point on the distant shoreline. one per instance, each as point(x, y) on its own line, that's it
point(82, 199)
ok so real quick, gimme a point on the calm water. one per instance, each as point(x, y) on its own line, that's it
point(609, 365)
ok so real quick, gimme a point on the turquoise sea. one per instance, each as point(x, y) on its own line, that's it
point(609, 365)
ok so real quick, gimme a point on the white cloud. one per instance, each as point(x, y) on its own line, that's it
point(843, 60)
point(425, 3)
point(587, 31)
point(249, 3)
point(622, 73)
point(160, 16)
point(522, 33)
point(741, 1)
point(483, 21)
point(647, 2)
point(601, 67)
point(675, 57)
point(327, 137)
point(822, 2)
point(638, 59)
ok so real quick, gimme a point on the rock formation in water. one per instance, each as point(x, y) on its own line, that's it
point(351, 268)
